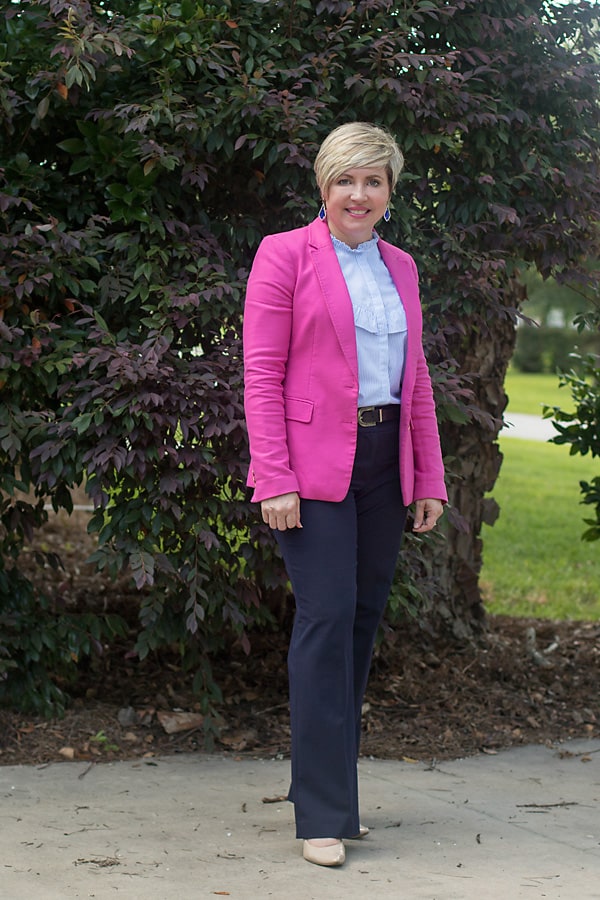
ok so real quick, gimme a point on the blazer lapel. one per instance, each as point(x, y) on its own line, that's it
point(334, 290)
point(337, 297)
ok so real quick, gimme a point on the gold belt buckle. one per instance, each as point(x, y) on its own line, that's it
point(367, 409)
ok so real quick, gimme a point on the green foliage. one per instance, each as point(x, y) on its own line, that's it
point(547, 349)
point(147, 147)
point(40, 645)
point(581, 428)
point(548, 298)
point(103, 742)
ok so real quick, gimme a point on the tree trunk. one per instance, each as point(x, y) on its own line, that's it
point(477, 460)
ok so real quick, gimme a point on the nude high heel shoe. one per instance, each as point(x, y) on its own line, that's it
point(331, 855)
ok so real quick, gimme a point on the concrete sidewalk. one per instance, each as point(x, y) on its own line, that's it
point(522, 824)
point(528, 428)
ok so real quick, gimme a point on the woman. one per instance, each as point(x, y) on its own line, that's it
point(343, 438)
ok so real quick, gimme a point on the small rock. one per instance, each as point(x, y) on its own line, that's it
point(172, 722)
point(127, 716)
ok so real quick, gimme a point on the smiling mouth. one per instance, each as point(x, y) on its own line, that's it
point(357, 212)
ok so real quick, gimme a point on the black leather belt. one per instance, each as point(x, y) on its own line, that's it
point(375, 415)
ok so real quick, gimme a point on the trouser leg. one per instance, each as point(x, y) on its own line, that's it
point(322, 568)
point(341, 564)
point(381, 517)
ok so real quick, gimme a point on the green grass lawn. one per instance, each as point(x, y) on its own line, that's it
point(527, 393)
point(535, 563)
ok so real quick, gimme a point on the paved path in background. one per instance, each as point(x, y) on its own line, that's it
point(529, 428)
point(520, 825)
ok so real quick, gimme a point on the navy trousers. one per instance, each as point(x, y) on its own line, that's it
point(341, 564)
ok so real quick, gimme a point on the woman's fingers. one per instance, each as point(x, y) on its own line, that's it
point(282, 512)
point(427, 512)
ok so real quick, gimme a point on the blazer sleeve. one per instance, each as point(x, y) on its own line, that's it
point(422, 468)
point(267, 330)
point(427, 454)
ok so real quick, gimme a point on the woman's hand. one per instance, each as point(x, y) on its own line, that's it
point(427, 512)
point(282, 512)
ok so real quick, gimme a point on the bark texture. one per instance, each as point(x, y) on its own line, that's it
point(476, 461)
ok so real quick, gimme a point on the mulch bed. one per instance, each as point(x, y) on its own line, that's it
point(529, 681)
point(526, 681)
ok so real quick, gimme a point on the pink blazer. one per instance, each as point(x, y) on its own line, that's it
point(301, 373)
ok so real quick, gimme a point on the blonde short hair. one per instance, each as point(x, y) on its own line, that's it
point(356, 145)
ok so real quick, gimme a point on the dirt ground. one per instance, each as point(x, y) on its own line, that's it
point(528, 681)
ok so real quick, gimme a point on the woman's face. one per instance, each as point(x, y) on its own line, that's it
point(355, 202)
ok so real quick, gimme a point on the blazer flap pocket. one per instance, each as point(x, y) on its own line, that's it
point(298, 410)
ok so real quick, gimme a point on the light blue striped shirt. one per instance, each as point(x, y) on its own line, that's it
point(380, 322)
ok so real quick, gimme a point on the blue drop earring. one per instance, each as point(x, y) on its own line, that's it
point(322, 213)
point(387, 214)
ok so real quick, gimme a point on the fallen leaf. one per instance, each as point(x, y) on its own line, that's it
point(238, 740)
point(67, 752)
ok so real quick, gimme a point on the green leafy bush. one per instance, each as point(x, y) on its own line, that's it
point(548, 349)
point(41, 645)
point(146, 148)
point(581, 427)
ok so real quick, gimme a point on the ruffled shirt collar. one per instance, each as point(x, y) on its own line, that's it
point(365, 247)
